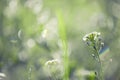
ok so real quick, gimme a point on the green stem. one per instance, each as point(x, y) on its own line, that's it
point(63, 37)
point(66, 60)
point(101, 71)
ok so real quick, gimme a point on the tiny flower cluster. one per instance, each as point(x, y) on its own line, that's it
point(52, 62)
point(94, 40)
point(91, 36)
point(54, 69)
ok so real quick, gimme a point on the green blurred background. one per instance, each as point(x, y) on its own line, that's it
point(29, 37)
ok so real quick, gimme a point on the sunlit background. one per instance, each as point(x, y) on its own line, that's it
point(29, 37)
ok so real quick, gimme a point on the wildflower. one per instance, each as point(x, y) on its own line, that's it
point(54, 69)
point(52, 62)
point(91, 36)
point(52, 65)
point(94, 40)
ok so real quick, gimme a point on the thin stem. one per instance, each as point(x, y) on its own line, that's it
point(63, 37)
point(101, 71)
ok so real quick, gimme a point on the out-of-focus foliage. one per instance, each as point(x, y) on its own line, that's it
point(29, 37)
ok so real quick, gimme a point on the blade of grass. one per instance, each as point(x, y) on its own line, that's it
point(62, 34)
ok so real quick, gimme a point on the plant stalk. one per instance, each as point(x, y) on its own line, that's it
point(101, 70)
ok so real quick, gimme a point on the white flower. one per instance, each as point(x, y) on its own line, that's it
point(52, 62)
point(91, 36)
point(85, 38)
point(94, 40)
